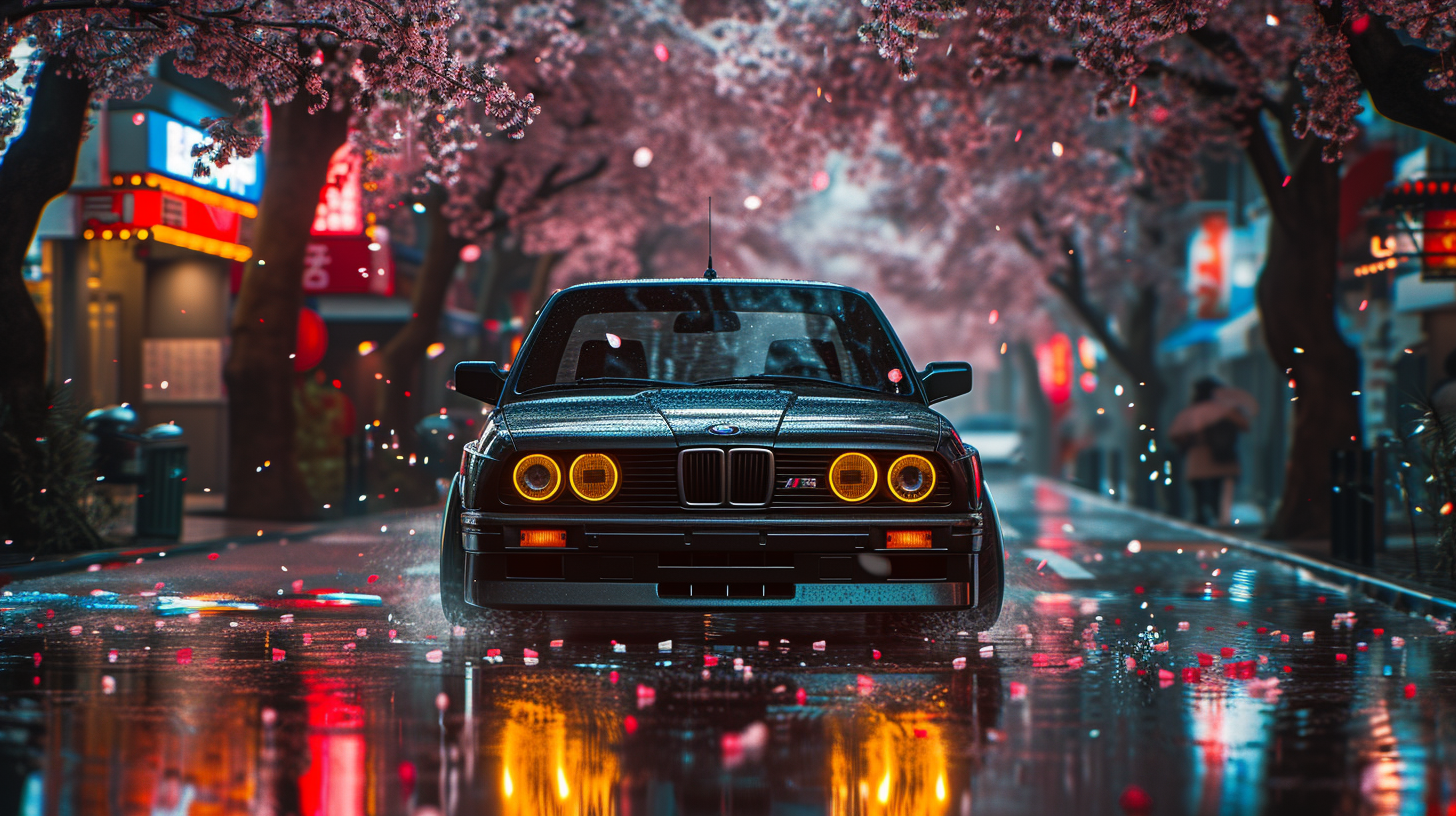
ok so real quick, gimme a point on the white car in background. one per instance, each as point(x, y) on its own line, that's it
point(996, 436)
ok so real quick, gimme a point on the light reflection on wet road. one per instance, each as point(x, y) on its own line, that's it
point(318, 677)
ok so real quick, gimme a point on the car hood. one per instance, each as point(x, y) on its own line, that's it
point(683, 417)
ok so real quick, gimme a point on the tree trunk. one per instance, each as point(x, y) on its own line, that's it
point(1394, 71)
point(400, 358)
point(39, 166)
point(259, 372)
point(1296, 295)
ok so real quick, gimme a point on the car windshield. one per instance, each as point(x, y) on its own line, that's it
point(716, 333)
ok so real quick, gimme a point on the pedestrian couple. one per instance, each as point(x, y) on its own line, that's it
point(1207, 432)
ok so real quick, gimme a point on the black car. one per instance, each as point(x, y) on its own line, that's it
point(717, 445)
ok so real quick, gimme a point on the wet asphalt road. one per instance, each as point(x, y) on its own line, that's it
point(318, 676)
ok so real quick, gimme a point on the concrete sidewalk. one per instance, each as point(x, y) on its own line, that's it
point(204, 526)
point(1395, 589)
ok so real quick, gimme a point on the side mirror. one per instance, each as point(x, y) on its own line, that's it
point(482, 380)
point(942, 381)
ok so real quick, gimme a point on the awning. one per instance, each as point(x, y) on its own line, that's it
point(1191, 334)
point(1231, 335)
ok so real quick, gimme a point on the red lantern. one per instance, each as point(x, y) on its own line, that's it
point(313, 340)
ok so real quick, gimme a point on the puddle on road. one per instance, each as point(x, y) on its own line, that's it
point(1206, 682)
point(1069, 705)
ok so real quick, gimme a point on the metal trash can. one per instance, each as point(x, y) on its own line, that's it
point(117, 450)
point(163, 477)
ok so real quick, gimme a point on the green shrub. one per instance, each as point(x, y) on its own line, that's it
point(48, 498)
point(1435, 434)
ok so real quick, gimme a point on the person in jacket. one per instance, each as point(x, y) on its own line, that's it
point(1207, 432)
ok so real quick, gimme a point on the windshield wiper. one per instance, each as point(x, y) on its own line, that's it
point(556, 386)
point(750, 378)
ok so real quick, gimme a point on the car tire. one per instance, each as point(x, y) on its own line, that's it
point(452, 581)
point(452, 562)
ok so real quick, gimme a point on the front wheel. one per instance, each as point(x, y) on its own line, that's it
point(452, 561)
point(452, 581)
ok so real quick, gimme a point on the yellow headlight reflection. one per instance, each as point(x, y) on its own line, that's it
point(595, 477)
point(537, 477)
point(853, 477)
point(911, 478)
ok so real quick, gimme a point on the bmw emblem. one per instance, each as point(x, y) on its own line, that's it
point(723, 430)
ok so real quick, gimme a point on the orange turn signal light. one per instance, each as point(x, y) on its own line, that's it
point(543, 538)
point(907, 539)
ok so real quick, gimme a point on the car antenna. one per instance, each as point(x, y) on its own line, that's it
point(710, 273)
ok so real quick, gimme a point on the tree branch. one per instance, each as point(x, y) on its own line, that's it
point(549, 186)
point(1395, 73)
point(1072, 285)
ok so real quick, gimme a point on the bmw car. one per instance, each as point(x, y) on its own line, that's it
point(717, 445)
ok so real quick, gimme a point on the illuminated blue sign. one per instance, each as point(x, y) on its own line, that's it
point(169, 152)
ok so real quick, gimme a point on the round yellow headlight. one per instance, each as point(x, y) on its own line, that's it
point(537, 477)
point(853, 477)
point(595, 477)
point(911, 478)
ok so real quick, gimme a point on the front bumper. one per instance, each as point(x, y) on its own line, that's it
point(723, 562)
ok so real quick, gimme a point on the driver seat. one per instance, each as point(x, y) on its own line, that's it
point(599, 359)
point(802, 358)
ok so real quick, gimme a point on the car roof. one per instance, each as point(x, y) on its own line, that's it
point(617, 284)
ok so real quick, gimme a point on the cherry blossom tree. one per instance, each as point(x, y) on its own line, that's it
point(638, 129)
point(313, 65)
point(1268, 74)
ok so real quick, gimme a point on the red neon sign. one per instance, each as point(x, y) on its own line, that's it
point(1438, 256)
point(341, 204)
point(1054, 367)
point(1208, 266)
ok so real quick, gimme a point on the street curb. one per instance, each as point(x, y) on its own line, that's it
point(120, 555)
point(1399, 596)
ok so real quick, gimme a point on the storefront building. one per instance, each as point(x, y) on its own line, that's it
point(130, 269)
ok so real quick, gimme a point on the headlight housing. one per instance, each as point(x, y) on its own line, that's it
point(853, 477)
point(911, 478)
point(537, 477)
point(594, 477)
